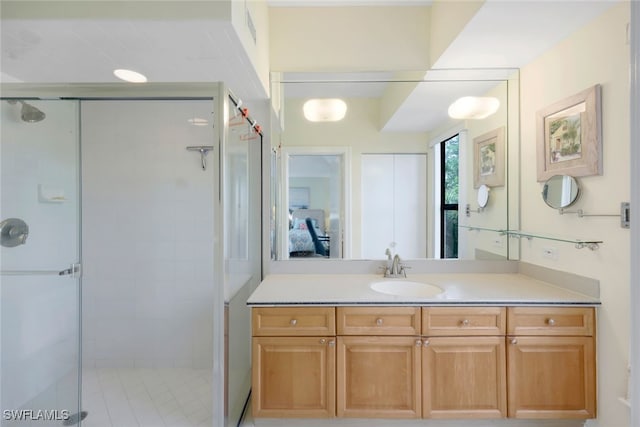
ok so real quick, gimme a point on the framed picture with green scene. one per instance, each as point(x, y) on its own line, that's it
point(569, 136)
point(488, 159)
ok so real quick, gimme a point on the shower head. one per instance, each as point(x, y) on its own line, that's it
point(29, 113)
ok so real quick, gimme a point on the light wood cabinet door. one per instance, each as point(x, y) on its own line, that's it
point(551, 377)
point(464, 377)
point(294, 377)
point(379, 377)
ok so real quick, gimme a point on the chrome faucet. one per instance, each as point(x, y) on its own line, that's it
point(396, 269)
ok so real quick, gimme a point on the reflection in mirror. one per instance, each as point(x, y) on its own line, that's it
point(560, 191)
point(390, 118)
point(483, 196)
point(315, 192)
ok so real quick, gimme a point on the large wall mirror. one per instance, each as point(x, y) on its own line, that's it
point(396, 170)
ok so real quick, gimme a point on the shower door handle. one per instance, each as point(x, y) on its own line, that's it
point(74, 271)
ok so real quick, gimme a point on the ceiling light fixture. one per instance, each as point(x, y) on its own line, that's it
point(324, 110)
point(196, 121)
point(473, 107)
point(130, 76)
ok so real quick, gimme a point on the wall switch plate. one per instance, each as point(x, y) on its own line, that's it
point(549, 253)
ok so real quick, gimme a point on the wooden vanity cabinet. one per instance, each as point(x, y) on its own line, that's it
point(294, 359)
point(378, 362)
point(429, 362)
point(551, 362)
point(464, 362)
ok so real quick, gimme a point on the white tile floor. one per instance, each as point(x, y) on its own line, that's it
point(121, 397)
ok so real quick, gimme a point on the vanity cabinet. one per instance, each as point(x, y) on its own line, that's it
point(378, 362)
point(294, 360)
point(464, 362)
point(424, 362)
point(551, 362)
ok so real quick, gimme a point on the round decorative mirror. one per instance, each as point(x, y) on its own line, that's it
point(560, 191)
point(483, 195)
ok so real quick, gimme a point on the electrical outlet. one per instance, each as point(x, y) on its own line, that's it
point(549, 253)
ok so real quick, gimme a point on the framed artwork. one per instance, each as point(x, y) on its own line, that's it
point(569, 136)
point(488, 159)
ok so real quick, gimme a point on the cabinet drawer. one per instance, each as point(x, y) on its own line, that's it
point(378, 320)
point(566, 321)
point(292, 321)
point(463, 321)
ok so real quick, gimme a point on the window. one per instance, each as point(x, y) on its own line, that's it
point(449, 158)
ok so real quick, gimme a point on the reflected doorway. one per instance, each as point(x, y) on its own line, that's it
point(315, 196)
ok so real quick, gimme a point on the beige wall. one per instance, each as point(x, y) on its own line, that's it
point(349, 38)
point(596, 54)
point(448, 18)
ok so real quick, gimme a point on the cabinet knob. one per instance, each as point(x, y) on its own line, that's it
point(418, 343)
point(465, 322)
point(551, 322)
point(425, 343)
point(379, 321)
point(514, 341)
point(293, 322)
point(332, 343)
point(322, 340)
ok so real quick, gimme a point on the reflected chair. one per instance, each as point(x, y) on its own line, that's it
point(318, 242)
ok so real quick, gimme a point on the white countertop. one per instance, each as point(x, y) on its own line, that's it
point(458, 289)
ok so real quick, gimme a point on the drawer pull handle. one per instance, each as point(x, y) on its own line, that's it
point(379, 321)
point(514, 341)
point(465, 322)
point(332, 343)
point(425, 343)
point(551, 322)
point(293, 322)
point(322, 340)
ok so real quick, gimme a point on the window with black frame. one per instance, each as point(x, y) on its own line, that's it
point(449, 160)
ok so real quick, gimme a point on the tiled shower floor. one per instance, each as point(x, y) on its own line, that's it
point(121, 397)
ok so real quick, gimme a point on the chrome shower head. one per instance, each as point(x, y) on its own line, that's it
point(29, 113)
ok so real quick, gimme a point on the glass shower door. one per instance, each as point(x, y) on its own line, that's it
point(40, 281)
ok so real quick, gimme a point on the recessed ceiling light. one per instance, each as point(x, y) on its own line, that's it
point(473, 107)
point(130, 76)
point(324, 110)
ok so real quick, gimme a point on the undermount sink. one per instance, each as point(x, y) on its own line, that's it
point(406, 288)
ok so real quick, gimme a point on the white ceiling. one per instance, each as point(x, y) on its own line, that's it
point(504, 33)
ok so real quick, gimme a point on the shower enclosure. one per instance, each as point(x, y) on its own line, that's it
point(161, 256)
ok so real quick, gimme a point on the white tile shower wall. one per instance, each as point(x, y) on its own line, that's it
point(147, 234)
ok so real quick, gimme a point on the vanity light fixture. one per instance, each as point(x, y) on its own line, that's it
point(129, 76)
point(473, 107)
point(324, 110)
